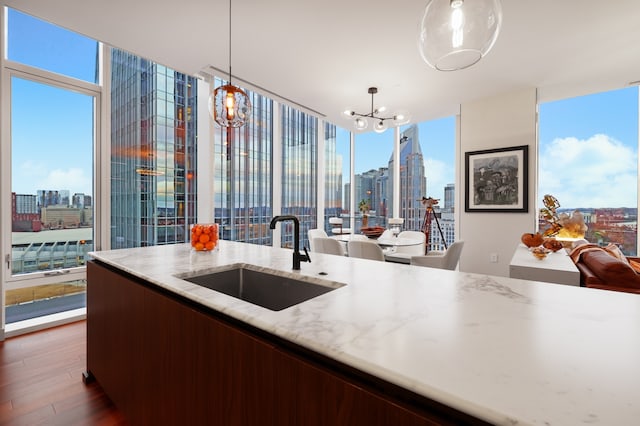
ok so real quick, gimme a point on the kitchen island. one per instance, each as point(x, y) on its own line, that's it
point(500, 350)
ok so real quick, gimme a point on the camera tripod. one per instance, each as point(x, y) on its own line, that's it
point(426, 223)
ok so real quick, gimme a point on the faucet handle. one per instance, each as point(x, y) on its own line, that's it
point(306, 255)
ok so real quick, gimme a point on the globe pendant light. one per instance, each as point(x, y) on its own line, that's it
point(228, 104)
point(455, 34)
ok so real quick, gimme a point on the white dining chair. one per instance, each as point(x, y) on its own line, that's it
point(444, 260)
point(315, 233)
point(403, 254)
point(387, 233)
point(395, 223)
point(329, 245)
point(337, 226)
point(365, 250)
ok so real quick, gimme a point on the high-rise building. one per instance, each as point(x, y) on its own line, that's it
point(299, 172)
point(49, 198)
point(449, 197)
point(153, 146)
point(413, 182)
point(348, 205)
point(333, 174)
point(442, 233)
point(371, 187)
point(24, 213)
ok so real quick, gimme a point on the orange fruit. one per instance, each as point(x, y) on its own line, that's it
point(204, 238)
point(199, 246)
point(209, 245)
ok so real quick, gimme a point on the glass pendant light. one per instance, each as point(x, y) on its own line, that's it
point(228, 104)
point(455, 34)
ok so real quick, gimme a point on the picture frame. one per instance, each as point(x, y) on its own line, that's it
point(497, 180)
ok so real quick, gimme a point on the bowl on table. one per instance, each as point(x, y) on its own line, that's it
point(372, 231)
point(539, 252)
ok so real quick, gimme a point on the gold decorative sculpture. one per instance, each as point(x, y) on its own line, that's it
point(561, 225)
point(550, 216)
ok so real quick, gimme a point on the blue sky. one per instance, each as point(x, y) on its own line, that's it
point(589, 149)
point(588, 153)
point(52, 129)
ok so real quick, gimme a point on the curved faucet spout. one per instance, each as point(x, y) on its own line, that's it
point(297, 257)
point(282, 218)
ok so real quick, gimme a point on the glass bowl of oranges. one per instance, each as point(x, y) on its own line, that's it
point(204, 236)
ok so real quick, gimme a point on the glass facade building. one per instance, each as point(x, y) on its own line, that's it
point(333, 179)
point(413, 181)
point(243, 169)
point(153, 149)
point(299, 172)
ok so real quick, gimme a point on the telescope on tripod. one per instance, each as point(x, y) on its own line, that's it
point(428, 216)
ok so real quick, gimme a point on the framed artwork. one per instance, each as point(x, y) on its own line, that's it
point(497, 180)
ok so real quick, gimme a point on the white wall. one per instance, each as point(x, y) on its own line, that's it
point(498, 122)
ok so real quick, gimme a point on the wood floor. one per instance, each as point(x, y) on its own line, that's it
point(41, 381)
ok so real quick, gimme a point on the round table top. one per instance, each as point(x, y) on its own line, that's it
point(391, 241)
point(398, 241)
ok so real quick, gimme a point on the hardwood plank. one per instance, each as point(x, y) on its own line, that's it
point(41, 381)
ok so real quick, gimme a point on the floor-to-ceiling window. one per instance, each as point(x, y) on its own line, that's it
point(337, 166)
point(588, 161)
point(372, 180)
point(437, 145)
point(243, 175)
point(299, 172)
point(48, 148)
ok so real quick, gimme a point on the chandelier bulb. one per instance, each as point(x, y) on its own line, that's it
point(380, 126)
point(360, 123)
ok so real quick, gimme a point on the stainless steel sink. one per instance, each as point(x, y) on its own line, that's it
point(269, 290)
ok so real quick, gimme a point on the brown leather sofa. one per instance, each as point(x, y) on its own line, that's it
point(599, 269)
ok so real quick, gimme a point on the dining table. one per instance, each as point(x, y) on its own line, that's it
point(384, 242)
point(388, 244)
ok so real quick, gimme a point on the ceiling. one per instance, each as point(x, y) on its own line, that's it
point(323, 55)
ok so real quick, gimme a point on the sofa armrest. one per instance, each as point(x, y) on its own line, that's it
point(614, 288)
point(587, 277)
point(611, 270)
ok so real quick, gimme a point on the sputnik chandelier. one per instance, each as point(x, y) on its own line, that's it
point(380, 123)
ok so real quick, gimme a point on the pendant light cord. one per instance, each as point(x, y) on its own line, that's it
point(372, 105)
point(229, 41)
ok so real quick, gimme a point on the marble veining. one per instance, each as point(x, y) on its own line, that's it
point(504, 350)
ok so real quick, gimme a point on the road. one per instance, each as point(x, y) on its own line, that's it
point(39, 308)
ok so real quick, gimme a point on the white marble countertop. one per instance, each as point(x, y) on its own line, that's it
point(504, 350)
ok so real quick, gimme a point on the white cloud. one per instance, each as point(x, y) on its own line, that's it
point(596, 172)
point(73, 179)
point(439, 174)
